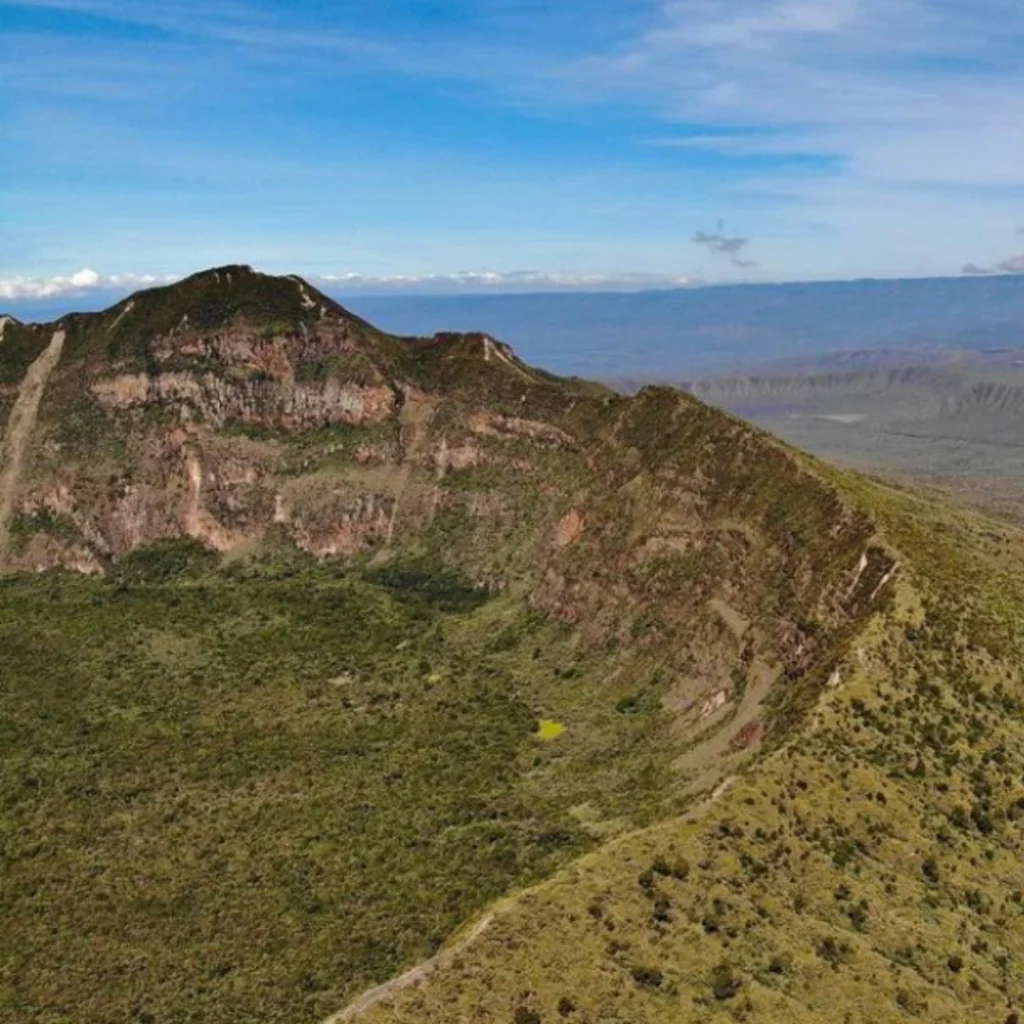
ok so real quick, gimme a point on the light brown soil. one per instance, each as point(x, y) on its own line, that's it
point(18, 434)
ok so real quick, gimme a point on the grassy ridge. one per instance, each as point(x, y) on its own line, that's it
point(870, 869)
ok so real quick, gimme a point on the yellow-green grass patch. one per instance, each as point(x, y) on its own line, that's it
point(549, 730)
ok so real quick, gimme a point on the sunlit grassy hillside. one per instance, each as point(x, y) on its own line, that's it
point(870, 869)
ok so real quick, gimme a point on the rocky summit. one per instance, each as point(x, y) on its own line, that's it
point(348, 676)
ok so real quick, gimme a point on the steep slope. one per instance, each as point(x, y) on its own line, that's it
point(381, 630)
point(869, 869)
point(241, 410)
point(20, 425)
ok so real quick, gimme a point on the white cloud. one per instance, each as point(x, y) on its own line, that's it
point(922, 92)
point(84, 278)
point(495, 281)
point(84, 281)
point(751, 26)
point(79, 283)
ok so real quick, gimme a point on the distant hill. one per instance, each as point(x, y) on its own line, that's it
point(925, 414)
point(727, 328)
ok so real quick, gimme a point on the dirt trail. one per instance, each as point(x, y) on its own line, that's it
point(420, 972)
point(413, 976)
point(721, 789)
point(18, 434)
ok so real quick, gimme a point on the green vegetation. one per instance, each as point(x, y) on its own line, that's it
point(43, 520)
point(213, 299)
point(249, 793)
point(166, 560)
point(22, 345)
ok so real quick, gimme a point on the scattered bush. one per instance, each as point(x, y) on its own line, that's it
point(724, 982)
point(662, 910)
point(166, 561)
point(648, 977)
point(834, 953)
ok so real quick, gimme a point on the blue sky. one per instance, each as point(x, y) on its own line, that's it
point(490, 144)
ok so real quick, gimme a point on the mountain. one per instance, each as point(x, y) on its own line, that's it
point(386, 651)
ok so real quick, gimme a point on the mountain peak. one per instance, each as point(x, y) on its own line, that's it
point(193, 313)
point(233, 323)
point(227, 269)
point(214, 297)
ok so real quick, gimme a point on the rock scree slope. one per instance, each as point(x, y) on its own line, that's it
point(18, 434)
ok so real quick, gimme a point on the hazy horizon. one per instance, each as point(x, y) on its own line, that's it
point(694, 331)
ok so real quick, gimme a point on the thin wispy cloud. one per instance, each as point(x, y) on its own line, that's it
point(495, 281)
point(745, 25)
point(893, 107)
point(885, 87)
point(848, 136)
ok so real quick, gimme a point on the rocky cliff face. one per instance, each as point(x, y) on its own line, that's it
point(248, 412)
